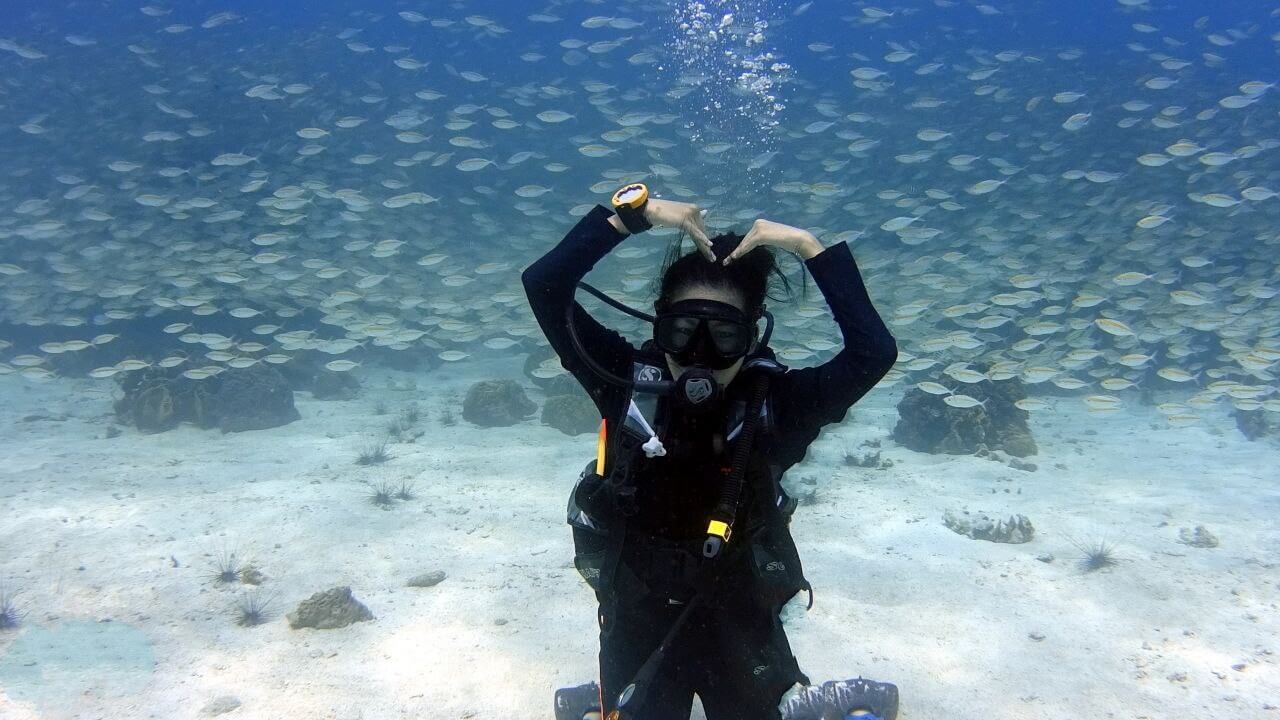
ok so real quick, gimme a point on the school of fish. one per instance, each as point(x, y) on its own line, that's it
point(1106, 222)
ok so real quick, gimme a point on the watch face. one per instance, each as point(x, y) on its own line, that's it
point(629, 194)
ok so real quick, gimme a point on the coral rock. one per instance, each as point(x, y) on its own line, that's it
point(253, 398)
point(1200, 537)
point(333, 608)
point(927, 424)
point(1254, 424)
point(571, 414)
point(496, 403)
point(1017, 529)
point(435, 577)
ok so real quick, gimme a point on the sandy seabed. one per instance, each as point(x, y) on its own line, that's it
point(111, 542)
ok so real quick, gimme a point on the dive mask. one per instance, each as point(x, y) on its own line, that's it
point(700, 332)
point(694, 331)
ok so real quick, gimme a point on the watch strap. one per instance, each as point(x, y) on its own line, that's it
point(633, 217)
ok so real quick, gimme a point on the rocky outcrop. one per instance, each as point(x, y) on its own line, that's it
point(234, 400)
point(427, 579)
point(926, 423)
point(1200, 537)
point(333, 608)
point(571, 414)
point(980, 526)
point(254, 398)
point(496, 403)
point(1255, 424)
point(309, 374)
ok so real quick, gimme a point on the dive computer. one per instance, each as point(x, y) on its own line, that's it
point(629, 203)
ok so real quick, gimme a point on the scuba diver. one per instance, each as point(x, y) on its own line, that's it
point(680, 524)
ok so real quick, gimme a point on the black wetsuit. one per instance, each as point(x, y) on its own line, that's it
point(734, 653)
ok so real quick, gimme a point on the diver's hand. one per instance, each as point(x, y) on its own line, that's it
point(679, 215)
point(767, 232)
point(683, 216)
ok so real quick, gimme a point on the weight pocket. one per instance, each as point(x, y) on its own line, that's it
point(589, 551)
point(775, 567)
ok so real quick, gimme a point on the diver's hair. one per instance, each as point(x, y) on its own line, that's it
point(749, 275)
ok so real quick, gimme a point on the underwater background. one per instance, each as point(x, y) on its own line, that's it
point(262, 336)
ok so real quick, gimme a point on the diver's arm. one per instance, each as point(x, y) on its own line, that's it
point(808, 398)
point(549, 284)
point(767, 232)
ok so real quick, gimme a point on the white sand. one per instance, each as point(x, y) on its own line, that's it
point(91, 528)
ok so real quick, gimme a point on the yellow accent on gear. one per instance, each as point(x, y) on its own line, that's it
point(600, 445)
point(638, 192)
point(719, 529)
